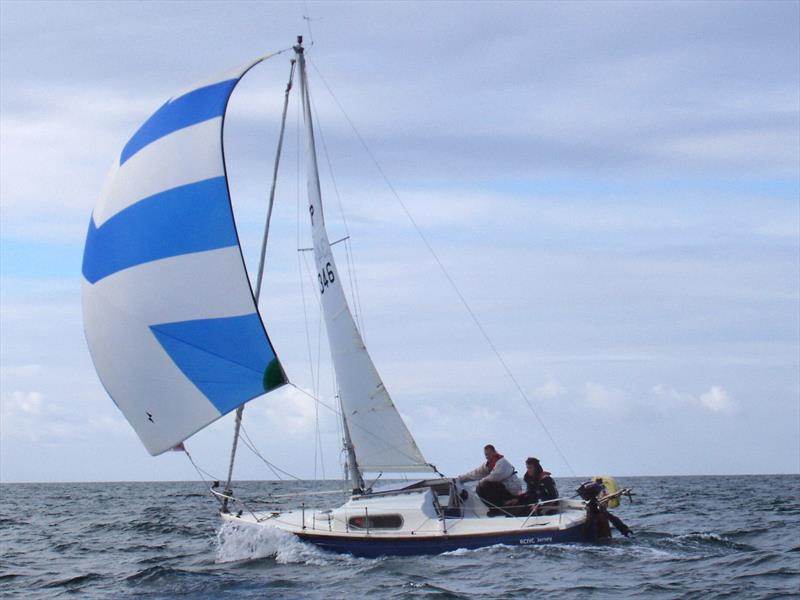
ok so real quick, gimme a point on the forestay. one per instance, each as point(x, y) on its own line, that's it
point(169, 314)
point(379, 436)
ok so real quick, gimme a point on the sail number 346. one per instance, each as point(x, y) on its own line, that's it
point(325, 277)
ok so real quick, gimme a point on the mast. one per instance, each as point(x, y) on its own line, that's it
point(239, 411)
point(353, 470)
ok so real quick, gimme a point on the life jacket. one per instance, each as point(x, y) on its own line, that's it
point(490, 464)
point(539, 490)
point(541, 476)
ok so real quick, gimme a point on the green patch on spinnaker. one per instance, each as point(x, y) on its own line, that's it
point(274, 375)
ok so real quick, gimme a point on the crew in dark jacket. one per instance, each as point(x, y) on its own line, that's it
point(540, 486)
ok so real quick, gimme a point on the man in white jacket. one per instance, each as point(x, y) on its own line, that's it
point(497, 479)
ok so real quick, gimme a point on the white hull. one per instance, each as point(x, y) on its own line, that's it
point(414, 522)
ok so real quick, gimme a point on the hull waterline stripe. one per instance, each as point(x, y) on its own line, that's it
point(372, 547)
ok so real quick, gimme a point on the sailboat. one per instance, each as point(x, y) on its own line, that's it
point(174, 330)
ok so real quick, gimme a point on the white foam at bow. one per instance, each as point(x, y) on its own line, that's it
point(237, 542)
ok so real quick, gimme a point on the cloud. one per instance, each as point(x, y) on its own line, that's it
point(648, 107)
point(662, 399)
point(550, 390)
point(108, 424)
point(717, 400)
point(667, 400)
point(603, 398)
point(293, 409)
point(27, 416)
point(29, 403)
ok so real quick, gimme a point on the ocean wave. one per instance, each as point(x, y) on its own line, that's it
point(431, 590)
point(776, 572)
point(155, 574)
point(157, 541)
point(711, 539)
point(76, 581)
point(162, 525)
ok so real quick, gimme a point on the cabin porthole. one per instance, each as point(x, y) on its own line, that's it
point(376, 522)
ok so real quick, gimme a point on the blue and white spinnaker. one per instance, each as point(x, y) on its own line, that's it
point(169, 314)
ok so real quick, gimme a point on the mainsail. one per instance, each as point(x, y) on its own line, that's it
point(169, 314)
point(380, 439)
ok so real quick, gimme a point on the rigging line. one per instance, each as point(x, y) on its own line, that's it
point(252, 446)
point(199, 469)
point(298, 494)
point(354, 281)
point(316, 441)
point(300, 264)
point(200, 473)
point(305, 317)
point(249, 446)
point(300, 261)
point(359, 314)
point(274, 54)
point(361, 427)
point(450, 280)
point(297, 165)
point(307, 19)
point(315, 388)
point(316, 385)
point(313, 281)
point(318, 393)
point(330, 166)
point(329, 244)
point(339, 426)
point(315, 381)
point(271, 203)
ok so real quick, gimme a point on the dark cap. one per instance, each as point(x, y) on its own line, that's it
point(531, 461)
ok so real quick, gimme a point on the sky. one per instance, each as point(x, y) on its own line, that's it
point(614, 187)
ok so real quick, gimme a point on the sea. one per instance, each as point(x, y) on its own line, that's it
point(694, 537)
